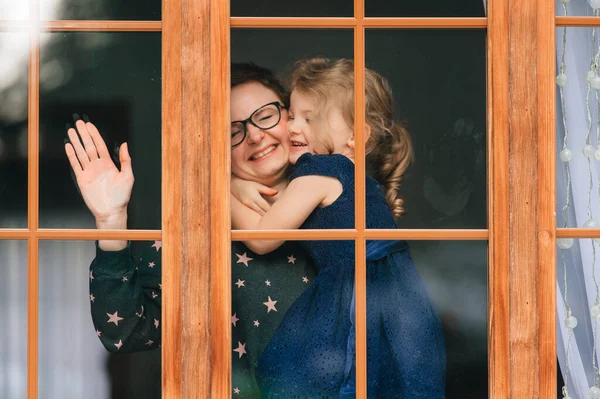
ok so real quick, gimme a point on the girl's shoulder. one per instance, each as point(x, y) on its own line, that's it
point(335, 165)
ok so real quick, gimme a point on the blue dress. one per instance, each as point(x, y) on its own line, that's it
point(312, 352)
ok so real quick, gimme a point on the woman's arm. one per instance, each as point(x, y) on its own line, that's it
point(297, 202)
point(125, 298)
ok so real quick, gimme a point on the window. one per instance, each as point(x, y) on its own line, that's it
point(195, 228)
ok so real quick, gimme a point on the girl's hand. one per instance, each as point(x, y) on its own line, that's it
point(251, 193)
point(105, 190)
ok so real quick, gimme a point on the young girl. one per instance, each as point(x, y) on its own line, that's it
point(311, 354)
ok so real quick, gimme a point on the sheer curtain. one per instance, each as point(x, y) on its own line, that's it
point(72, 361)
point(578, 186)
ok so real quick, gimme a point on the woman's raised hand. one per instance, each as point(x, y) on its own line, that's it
point(105, 189)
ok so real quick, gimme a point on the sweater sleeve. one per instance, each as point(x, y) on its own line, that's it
point(125, 298)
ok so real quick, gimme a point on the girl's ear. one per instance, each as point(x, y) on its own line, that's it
point(350, 143)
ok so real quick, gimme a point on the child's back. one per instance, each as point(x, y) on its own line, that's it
point(312, 352)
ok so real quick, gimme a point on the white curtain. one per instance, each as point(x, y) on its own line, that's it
point(72, 361)
point(577, 266)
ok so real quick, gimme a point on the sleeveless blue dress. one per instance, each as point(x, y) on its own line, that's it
point(312, 352)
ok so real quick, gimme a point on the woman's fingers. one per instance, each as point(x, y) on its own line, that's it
point(79, 151)
point(263, 205)
point(125, 159)
point(267, 190)
point(257, 209)
point(73, 159)
point(98, 140)
point(88, 143)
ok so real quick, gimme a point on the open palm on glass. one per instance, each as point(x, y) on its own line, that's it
point(106, 190)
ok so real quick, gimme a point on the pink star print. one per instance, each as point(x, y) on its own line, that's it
point(149, 343)
point(92, 297)
point(119, 345)
point(291, 259)
point(141, 312)
point(156, 323)
point(234, 319)
point(240, 283)
point(241, 349)
point(305, 279)
point(243, 259)
point(157, 245)
point(124, 279)
point(256, 323)
point(268, 283)
point(114, 318)
point(270, 304)
point(236, 391)
point(151, 265)
point(91, 275)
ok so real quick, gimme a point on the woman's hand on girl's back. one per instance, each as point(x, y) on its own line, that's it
point(106, 190)
point(251, 193)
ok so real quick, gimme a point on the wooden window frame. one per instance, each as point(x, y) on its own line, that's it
point(196, 231)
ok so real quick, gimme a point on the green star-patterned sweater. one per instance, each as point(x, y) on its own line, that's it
point(125, 299)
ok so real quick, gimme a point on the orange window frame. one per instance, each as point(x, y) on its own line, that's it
point(196, 231)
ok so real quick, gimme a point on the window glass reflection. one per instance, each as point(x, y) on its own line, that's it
point(439, 90)
point(12, 10)
point(149, 10)
point(576, 314)
point(440, 284)
point(307, 8)
point(575, 8)
point(13, 313)
point(114, 79)
point(432, 8)
point(14, 64)
point(81, 367)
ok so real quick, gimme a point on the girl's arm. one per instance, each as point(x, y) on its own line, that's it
point(297, 202)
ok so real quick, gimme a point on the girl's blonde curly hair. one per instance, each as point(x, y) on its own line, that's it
point(389, 146)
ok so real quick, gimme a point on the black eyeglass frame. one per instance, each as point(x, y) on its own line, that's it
point(277, 104)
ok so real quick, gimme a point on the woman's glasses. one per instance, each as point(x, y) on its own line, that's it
point(264, 118)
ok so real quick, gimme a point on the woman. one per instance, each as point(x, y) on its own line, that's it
point(125, 293)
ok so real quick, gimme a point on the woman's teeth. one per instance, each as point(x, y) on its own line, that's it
point(262, 153)
point(298, 144)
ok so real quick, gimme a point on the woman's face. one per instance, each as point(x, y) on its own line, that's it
point(263, 156)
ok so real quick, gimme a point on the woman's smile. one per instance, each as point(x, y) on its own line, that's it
point(263, 153)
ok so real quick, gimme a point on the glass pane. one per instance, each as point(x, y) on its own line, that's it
point(439, 103)
point(11, 10)
point(307, 8)
point(277, 49)
point(427, 319)
point(435, 8)
point(577, 138)
point(272, 168)
point(577, 308)
point(290, 327)
point(14, 64)
point(576, 8)
point(13, 313)
point(114, 79)
point(100, 9)
point(115, 287)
